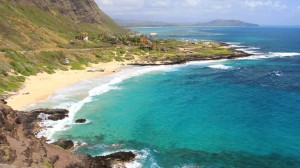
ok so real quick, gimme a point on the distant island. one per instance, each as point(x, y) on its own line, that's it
point(218, 22)
point(226, 23)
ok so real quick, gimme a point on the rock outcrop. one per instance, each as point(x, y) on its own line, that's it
point(51, 114)
point(65, 144)
point(80, 121)
point(20, 148)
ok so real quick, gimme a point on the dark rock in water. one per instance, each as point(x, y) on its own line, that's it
point(50, 111)
point(107, 161)
point(57, 117)
point(122, 156)
point(19, 146)
point(54, 114)
point(80, 121)
point(65, 144)
point(30, 119)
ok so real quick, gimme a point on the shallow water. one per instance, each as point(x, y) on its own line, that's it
point(226, 113)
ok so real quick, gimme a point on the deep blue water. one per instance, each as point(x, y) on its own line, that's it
point(234, 113)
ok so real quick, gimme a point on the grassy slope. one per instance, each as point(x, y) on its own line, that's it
point(30, 63)
point(30, 28)
point(46, 36)
point(15, 66)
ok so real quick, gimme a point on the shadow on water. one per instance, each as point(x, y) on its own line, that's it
point(197, 158)
point(225, 159)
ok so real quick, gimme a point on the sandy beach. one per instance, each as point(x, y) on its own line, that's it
point(41, 86)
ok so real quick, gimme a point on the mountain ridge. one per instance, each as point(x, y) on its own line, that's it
point(217, 22)
point(221, 22)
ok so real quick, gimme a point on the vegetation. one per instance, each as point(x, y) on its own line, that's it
point(15, 65)
point(29, 28)
point(47, 164)
point(33, 40)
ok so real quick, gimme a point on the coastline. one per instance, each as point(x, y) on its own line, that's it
point(35, 86)
point(21, 148)
point(48, 127)
point(43, 85)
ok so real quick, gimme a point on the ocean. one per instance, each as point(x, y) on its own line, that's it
point(226, 113)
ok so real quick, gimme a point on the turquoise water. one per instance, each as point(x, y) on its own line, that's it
point(228, 113)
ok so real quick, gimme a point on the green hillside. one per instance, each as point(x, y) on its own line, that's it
point(30, 27)
point(47, 35)
point(36, 35)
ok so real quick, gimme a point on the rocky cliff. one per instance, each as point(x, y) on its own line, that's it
point(20, 148)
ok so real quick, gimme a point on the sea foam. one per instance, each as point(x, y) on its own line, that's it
point(284, 54)
point(271, 55)
point(220, 66)
point(74, 106)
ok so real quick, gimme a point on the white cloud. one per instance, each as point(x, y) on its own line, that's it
point(203, 5)
point(200, 10)
point(267, 4)
point(191, 2)
point(122, 3)
point(161, 3)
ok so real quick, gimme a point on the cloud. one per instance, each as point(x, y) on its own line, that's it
point(200, 10)
point(266, 4)
point(120, 3)
point(201, 5)
point(191, 2)
point(158, 4)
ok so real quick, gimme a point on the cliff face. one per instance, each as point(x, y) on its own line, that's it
point(77, 10)
point(20, 148)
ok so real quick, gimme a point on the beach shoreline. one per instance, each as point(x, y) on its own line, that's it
point(43, 85)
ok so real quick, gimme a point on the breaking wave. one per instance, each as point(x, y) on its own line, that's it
point(53, 126)
point(220, 66)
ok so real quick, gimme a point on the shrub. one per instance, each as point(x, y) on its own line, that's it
point(76, 66)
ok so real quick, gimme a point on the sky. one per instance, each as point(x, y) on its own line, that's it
point(263, 12)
